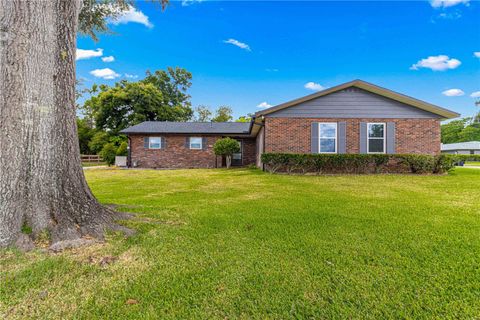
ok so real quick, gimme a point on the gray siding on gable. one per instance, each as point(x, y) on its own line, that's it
point(352, 103)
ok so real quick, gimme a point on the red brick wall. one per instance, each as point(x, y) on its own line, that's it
point(421, 136)
point(249, 151)
point(175, 155)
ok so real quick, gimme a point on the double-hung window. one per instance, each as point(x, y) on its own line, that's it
point(154, 143)
point(196, 143)
point(327, 137)
point(376, 137)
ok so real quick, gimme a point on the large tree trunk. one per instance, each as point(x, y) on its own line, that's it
point(41, 179)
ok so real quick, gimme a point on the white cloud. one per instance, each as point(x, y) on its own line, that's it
point(131, 76)
point(132, 15)
point(106, 73)
point(271, 70)
point(437, 63)
point(450, 16)
point(453, 93)
point(108, 59)
point(186, 3)
point(313, 86)
point(87, 54)
point(264, 105)
point(447, 3)
point(477, 54)
point(475, 94)
point(237, 43)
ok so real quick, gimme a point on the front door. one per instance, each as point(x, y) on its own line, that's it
point(237, 157)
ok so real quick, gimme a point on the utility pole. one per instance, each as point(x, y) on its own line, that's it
point(476, 117)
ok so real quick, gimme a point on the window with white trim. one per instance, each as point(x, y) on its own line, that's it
point(154, 143)
point(196, 143)
point(327, 137)
point(376, 137)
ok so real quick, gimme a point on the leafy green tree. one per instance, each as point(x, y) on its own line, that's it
point(94, 16)
point(97, 142)
point(203, 114)
point(117, 140)
point(246, 118)
point(226, 147)
point(470, 133)
point(86, 110)
point(223, 114)
point(173, 83)
point(108, 153)
point(122, 149)
point(451, 131)
point(161, 96)
point(460, 131)
point(85, 135)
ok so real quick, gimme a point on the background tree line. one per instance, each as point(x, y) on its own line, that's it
point(462, 130)
point(160, 96)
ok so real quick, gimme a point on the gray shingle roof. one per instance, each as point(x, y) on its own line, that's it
point(471, 145)
point(189, 127)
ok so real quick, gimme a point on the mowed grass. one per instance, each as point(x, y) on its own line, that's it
point(93, 164)
point(243, 244)
point(473, 163)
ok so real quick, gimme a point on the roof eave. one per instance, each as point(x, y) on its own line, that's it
point(210, 133)
point(444, 113)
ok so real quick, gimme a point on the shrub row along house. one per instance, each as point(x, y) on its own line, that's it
point(354, 117)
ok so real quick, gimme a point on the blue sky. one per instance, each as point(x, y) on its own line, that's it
point(245, 53)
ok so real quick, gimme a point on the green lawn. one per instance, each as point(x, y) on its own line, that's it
point(93, 164)
point(243, 244)
point(473, 163)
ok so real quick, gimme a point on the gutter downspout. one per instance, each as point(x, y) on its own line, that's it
point(129, 152)
point(264, 135)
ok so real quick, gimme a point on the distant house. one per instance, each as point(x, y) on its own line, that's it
point(354, 117)
point(471, 147)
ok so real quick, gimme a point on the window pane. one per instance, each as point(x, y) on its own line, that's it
point(155, 143)
point(375, 130)
point(327, 145)
point(375, 145)
point(195, 143)
point(328, 130)
point(237, 156)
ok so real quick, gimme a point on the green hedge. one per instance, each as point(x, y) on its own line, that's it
point(357, 163)
point(465, 157)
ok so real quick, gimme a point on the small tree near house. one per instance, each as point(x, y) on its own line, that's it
point(226, 147)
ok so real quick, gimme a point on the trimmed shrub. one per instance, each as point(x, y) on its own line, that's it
point(356, 163)
point(122, 149)
point(275, 161)
point(418, 163)
point(98, 141)
point(108, 153)
point(380, 160)
point(443, 163)
point(298, 162)
point(226, 147)
point(464, 157)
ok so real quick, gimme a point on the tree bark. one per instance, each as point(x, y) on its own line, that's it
point(41, 179)
point(228, 161)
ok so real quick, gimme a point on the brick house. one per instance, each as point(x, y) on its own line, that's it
point(156, 144)
point(354, 117)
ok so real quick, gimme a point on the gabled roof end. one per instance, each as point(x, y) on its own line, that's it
point(444, 113)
